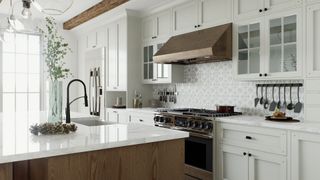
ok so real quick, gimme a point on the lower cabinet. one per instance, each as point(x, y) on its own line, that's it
point(245, 164)
point(305, 156)
point(116, 116)
point(143, 118)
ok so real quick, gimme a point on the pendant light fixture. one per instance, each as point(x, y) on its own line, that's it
point(26, 13)
point(52, 7)
point(13, 23)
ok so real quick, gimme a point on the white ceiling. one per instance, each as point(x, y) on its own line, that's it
point(77, 7)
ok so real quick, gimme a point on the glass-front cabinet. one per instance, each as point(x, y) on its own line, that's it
point(269, 47)
point(154, 73)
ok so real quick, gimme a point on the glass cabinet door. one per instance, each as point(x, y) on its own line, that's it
point(249, 49)
point(283, 44)
point(162, 69)
point(148, 71)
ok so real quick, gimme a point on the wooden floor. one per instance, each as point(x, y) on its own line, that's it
point(153, 161)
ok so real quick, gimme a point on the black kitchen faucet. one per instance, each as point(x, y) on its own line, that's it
point(69, 103)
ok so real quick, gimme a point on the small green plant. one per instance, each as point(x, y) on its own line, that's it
point(55, 49)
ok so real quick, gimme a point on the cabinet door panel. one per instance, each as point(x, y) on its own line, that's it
point(185, 17)
point(233, 163)
point(247, 8)
point(305, 156)
point(101, 37)
point(92, 40)
point(265, 166)
point(164, 24)
point(313, 40)
point(148, 28)
point(112, 62)
point(122, 56)
point(214, 12)
point(281, 5)
point(285, 48)
point(248, 50)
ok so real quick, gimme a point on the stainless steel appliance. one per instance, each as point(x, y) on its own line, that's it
point(199, 146)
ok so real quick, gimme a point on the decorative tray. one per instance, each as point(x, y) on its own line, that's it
point(281, 119)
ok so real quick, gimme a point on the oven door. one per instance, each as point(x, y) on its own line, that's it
point(198, 152)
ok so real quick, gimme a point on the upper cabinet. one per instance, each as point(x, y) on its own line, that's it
point(154, 73)
point(157, 26)
point(116, 63)
point(200, 14)
point(244, 9)
point(313, 40)
point(269, 47)
point(97, 38)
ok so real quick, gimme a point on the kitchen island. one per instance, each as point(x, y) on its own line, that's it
point(117, 151)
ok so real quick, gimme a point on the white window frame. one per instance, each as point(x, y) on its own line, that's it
point(41, 73)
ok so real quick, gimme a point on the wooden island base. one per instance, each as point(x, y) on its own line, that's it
point(153, 161)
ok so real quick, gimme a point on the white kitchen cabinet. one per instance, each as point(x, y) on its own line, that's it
point(313, 40)
point(154, 73)
point(201, 14)
point(185, 18)
point(116, 64)
point(97, 38)
point(269, 47)
point(141, 117)
point(157, 26)
point(246, 9)
point(251, 153)
point(233, 163)
point(305, 157)
point(117, 115)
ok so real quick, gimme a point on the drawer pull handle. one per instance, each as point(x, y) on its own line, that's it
point(140, 120)
point(249, 137)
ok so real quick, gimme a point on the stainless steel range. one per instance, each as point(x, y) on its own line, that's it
point(199, 146)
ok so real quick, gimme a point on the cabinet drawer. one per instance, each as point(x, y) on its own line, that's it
point(147, 119)
point(263, 139)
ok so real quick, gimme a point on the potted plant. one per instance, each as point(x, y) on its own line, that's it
point(54, 51)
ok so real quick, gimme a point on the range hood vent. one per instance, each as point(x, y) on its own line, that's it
point(203, 46)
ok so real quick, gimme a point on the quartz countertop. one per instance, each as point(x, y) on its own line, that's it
point(18, 144)
point(260, 121)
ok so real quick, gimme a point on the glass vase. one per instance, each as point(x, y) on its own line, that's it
point(55, 102)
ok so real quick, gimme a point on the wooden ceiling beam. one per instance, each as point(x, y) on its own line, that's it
point(94, 11)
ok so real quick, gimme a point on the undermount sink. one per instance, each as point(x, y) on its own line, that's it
point(90, 121)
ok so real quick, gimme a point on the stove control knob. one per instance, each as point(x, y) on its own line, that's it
point(201, 125)
point(161, 119)
point(190, 124)
point(195, 124)
point(156, 119)
point(208, 126)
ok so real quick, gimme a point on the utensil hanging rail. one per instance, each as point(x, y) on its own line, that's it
point(281, 85)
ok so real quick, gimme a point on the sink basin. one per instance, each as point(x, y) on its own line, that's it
point(90, 122)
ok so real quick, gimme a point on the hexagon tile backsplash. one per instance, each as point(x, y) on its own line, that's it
point(207, 85)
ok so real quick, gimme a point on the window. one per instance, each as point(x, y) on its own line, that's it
point(20, 79)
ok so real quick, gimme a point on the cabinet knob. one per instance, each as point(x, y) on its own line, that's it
point(199, 25)
point(260, 10)
point(265, 9)
point(249, 154)
point(260, 75)
point(195, 26)
point(265, 74)
point(140, 120)
point(244, 153)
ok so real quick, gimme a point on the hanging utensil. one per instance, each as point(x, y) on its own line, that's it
point(279, 102)
point(284, 104)
point(266, 102)
point(261, 99)
point(299, 105)
point(290, 106)
point(257, 99)
point(273, 104)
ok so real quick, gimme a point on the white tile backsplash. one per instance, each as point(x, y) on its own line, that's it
point(209, 84)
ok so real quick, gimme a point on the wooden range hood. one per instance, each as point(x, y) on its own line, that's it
point(203, 46)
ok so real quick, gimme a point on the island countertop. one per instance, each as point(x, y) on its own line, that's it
point(18, 144)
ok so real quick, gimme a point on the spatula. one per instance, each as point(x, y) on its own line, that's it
point(261, 99)
point(298, 106)
point(273, 104)
point(290, 106)
point(279, 102)
point(266, 102)
point(257, 99)
point(284, 104)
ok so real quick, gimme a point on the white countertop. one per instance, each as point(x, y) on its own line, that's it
point(260, 121)
point(17, 143)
